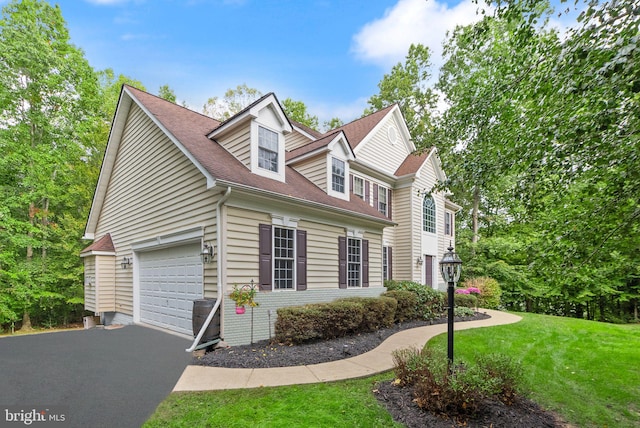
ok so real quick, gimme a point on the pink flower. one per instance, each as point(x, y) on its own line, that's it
point(474, 290)
point(462, 291)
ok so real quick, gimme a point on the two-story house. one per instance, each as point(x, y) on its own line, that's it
point(186, 207)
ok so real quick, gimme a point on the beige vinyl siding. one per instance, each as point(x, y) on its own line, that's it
point(375, 259)
point(294, 140)
point(90, 283)
point(238, 143)
point(380, 152)
point(315, 170)
point(322, 254)
point(154, 190)
point(405, 233)
point(106, 270)
point(242, 246)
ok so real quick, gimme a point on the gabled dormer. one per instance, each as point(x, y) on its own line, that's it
point(256, 137)
point(326, 163)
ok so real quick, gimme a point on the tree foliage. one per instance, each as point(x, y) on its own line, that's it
point(408, 85)
point(233, 102)
point(545, 129)
point(297, 110)
point(49, 100)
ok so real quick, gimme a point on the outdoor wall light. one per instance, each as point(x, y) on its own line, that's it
point(450, 267)
point(419, 261)
point(126, 261)
point(207, 253)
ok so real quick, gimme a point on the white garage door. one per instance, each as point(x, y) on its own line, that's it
point(170, 280)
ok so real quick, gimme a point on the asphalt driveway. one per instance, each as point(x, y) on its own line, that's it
point(95, 378)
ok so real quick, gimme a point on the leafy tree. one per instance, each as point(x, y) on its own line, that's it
point(233, 102)
point(408, 85)
point(333, 123)
point(297, 110)
point(166, 93)
point(48, 104)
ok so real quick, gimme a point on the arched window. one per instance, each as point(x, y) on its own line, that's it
point(429, 214)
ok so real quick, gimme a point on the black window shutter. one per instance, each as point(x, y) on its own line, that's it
point(350, 183)
point(389, 194)
point(375, 196)
point(390, 262)
point(342, 262)
point(301, 260)
point(365, 263)
point(265, 257)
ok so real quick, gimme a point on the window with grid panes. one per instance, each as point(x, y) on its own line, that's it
point(283, 258)
point(267, 149)
point(358, 187)
point(354, 262)
point(337, 175)
point(429, 214)
point(382, 200)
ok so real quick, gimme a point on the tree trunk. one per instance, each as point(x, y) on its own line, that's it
point(474, 214)
point(26, 322)
point(32, 215)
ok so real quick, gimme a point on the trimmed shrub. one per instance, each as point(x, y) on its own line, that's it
point(407, 304)
point(298, 324)
point(490, 291)
point(465, 300)
point(462, 311)
point(378, 312)
point(431, 303)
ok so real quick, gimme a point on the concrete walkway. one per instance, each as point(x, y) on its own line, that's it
point(200, 378)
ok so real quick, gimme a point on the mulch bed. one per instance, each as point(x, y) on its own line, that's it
point(522, 413)
point(267, 353)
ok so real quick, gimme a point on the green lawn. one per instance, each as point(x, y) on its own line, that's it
point(588, 372)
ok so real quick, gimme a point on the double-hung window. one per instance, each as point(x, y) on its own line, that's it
point(448, 229)
point(354, 262)
point(267, 149)
point(358, 187)
point(283, 258)
point(382, 200)
point(337, 175)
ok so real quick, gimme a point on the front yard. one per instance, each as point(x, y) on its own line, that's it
point(584, 370)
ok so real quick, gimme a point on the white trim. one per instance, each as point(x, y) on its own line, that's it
point(355, 233)
point(169, 240)
point(284, 221)
point(98, 253)
point(278, 175)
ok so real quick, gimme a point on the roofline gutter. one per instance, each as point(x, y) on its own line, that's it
point(220, 283)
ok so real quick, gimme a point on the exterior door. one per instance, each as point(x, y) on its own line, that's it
point(428, 270)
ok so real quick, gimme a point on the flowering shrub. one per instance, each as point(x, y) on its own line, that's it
point(462, 291)
point(474, 290)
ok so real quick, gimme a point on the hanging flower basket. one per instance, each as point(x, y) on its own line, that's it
point(243, 296)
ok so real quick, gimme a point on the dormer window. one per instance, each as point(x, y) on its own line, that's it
point(337, 175)
point(267, 149)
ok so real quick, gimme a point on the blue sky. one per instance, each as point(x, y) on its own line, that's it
point(330, 54)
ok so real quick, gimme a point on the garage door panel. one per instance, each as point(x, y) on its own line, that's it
point(170, 280)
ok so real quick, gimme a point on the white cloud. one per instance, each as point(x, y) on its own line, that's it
point(386, 41)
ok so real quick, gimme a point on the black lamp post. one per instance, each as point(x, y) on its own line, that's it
point(450, 267)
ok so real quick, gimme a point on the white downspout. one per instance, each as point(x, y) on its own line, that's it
point(220, 291)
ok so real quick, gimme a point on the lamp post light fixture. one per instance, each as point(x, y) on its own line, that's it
point(450, 267)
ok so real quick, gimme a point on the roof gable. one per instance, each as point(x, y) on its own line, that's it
point(189, 131)
point(252, 111)
point(103, 245)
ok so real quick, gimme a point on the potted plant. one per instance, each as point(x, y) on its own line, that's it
point(242, 296)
